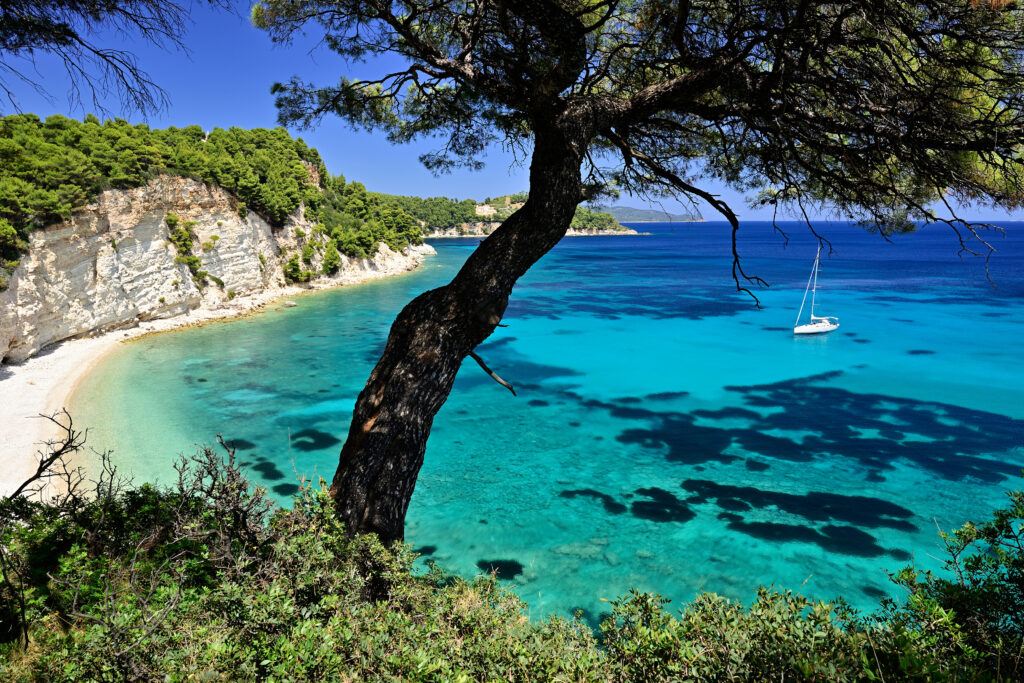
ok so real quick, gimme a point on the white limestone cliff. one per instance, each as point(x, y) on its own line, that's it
point(111, 266)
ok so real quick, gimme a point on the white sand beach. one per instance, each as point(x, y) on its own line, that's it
point(42, 384)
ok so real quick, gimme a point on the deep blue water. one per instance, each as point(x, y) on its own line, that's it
point(668, 435)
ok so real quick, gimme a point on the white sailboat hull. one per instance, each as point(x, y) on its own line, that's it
point(819, 324)
point(817, 327)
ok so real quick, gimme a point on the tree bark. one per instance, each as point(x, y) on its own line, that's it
point(429, 339)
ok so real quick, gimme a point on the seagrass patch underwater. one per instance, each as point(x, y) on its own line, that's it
point(668, 435)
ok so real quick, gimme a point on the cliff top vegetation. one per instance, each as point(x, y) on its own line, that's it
point(52, 166)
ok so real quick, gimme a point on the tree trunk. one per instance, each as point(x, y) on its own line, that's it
point(382, 456)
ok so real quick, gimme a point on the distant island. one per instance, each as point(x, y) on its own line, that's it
point(448, 217)
point(629, 214)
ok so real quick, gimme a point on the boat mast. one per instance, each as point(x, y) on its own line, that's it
point(817, 258)
point(812, 278)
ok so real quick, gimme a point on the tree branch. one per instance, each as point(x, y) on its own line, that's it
point(490, 372)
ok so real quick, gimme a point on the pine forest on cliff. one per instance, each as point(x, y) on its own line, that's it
point(50, 167)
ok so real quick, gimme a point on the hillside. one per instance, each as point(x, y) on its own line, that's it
point(446, 217)
point(629, 214)
point(105, 225)
point(50, 168)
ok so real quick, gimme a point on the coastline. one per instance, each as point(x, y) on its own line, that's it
point(42, 384)
point(602, 233)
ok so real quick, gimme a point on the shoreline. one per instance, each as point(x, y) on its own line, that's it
point(612, 233)
point(43, 383)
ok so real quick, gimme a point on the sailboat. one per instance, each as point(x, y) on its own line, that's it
point(818, 324)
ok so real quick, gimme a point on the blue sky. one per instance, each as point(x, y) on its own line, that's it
point(225, 80)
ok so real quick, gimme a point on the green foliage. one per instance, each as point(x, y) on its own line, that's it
point(183, 236)
point(47, 168)
point(228, 587)
point(9, 239)
point(434, 212)
point(506, 199)
point(332, 259)
point(208, 580)
point(52, 166)
point(231, 294)
point(981, 592)
point(307, 253)
point(589, 219)
point(293, 271)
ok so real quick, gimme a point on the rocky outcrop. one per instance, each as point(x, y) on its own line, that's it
point(485, 228)
point(112, 265)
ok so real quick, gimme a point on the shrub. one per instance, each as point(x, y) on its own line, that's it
point(207, 579)
point(293, 271)
point(979, 598)
point(332, 259)
point(307, 253)
point(8, 236)
point(231, 294)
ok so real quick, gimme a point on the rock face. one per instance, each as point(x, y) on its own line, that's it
point(112, 265)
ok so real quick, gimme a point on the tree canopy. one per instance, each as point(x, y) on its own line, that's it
point(71, 31)
point(880, 111)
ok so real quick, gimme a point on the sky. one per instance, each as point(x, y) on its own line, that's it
point(224, 80)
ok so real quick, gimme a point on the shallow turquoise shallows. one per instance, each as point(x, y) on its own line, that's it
point(667, 436)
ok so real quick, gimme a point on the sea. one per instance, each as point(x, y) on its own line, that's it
point(669, 433)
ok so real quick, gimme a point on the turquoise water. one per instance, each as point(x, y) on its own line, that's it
point(667, 435)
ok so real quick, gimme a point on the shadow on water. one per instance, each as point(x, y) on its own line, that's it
point(876, 431)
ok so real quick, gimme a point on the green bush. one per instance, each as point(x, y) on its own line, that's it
point(293, 271)
point(208, 580)
point(332, 259)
